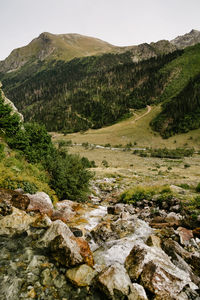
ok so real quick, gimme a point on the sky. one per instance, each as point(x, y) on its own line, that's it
point(119, 22)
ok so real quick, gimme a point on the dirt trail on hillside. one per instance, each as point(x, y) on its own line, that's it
point(146, 113)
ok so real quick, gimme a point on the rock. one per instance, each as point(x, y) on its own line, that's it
point(85, 251)
point(14, 198)
point(76, 231)
point(65, 247)
point(20, 201)
point(196, 232)
point(185, 235)
point(81, 275)
point(137, 292)
point(174, 218)
point(156, 272)
point(63, 214)
point(40, 202)
point(154, 240)
point(103, 232)
point(42, 221)
point(15, 223)
point(5, 208)
point(114, 282)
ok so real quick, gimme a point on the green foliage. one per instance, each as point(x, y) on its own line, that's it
point(198, 188)
point(1, 152)
point(166, 153)
point(105, 163)
point(33, 141)
point(137, 194)
point(140, 193)
point(69, 177)
point(28, 187)
point(186, 186)
point(89, 92)
point(181, 107)
point(67, 174)
point(87, 163)
point(9, 123)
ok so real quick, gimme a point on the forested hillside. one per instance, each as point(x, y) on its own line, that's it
point(87, 92)
point(28, 160)
point(95, 91)
point(181, 96)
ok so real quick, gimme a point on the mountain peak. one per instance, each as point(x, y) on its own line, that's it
point(188, 39)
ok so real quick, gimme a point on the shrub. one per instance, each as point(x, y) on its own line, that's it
point(1, 151)
point(105, 163)
point(69, 177)
point(198, 188)
point(137, 194)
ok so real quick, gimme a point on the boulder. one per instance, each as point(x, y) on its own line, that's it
point(81, 275)
point(154, 240)
point(65, 247)
point(137, 292)
point(15, 223)
point(5, 208)
point(156, 271)
point(185, 235)
point(14, 198)
point(40, 202)
point(61, 241)
point(114, 282)
point(85, 251)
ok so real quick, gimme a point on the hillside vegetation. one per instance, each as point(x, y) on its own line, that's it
point(75, 93)
point(34, 163)
point(181, 96)
point(87, 92)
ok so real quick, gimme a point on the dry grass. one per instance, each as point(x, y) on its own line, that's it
point(134, 169)
point(129, 131)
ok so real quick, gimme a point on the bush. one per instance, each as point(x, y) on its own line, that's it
point(198, 188)
point(105, 163)
point(1, 151)
point(69, 177)
point(137, 194)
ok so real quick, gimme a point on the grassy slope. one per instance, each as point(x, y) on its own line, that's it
point(180, 71)
point(133, 169)
point(129, 131)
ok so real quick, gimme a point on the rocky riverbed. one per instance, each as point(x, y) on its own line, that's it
point(97, 250)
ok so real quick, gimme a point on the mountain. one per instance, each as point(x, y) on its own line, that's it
point(72, 82)
point(188, 39)
point(50, 46)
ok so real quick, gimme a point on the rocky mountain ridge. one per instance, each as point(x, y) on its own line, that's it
point(186, 40)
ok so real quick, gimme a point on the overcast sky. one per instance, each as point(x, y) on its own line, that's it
point(119, 22)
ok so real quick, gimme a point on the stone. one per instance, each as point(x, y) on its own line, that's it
point(40, 202)
point(137, 292)
point(156, 271)
point(85, 251)
point(20, 201)
point(114, 282)
point(185, 235)
point(196, 232)
point(42, 221)
point(63, 244)
point(15, 223)
point(103, 232)
point(63, 214)
point(81, 275)
point(14, 198)
point(154, 240)
point(76, 231)
point(5, 208)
